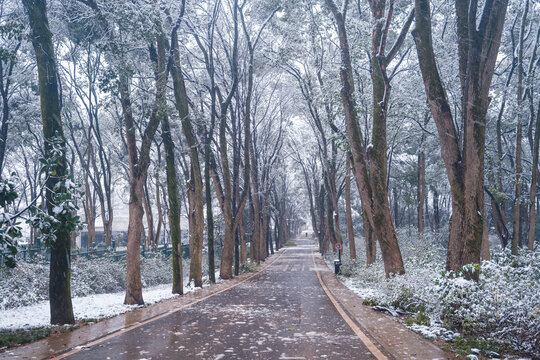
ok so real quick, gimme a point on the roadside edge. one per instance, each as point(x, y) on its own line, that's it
point(392, 336)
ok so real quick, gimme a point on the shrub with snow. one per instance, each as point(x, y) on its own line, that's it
point(28, 283)
point(502, 308)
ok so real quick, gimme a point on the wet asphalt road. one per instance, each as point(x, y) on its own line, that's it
point(282, 313)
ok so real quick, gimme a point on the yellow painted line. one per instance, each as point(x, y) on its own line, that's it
point(165, 314)
point(369, 344)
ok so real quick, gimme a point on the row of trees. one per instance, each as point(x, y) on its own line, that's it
point(396, 146)
point(236, 112)
point(126, 88)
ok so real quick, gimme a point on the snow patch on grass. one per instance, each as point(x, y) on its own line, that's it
point(88, 307)
point(28, 283)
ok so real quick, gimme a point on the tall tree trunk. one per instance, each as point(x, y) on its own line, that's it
point(269, 245)
point(464, 164)
point(264, 218)
point(149, 216)
point(60, 269)
point(256, 216)
point(485, 239)
point(319, 196)
point(195, 188)
point(350, 229)
point(231, 215)
point(174, 207)
point(498, 203)
point(534, 181)
point(227, 254)
point(135, 230)
point(5, 84)
point(383, 225)
point(243, 248)
point(209, 214)
point(276, 231)
point(396, 207)
point(421, 192)
point(172, 179)
point(421, 186)
point(89, 204)
point(372, 186)
point(436, 214)
point(516, 235)
point(330, 217)
point(371, 243)
point(139, 160)
point(160, 214)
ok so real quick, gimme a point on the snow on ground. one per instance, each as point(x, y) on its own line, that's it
point(97, 306)
point(500, 311)
point(88, 307)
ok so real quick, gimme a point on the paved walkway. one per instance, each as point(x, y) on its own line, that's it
point(282, 312)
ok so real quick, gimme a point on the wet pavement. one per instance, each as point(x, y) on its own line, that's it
point(282, 313)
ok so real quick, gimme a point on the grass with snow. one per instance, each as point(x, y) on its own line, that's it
point(28, 283)
point(499, 313)
point(98, 291)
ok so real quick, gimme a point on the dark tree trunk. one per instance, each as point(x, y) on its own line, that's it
point(5, 84)
point(350, 229)
point(517, 218)
point(149, 216)
point(60, 269)
point(421, 186)
point(195, 187)
point(436, 214)
point(534, 181)
point(172, 179)
point(395, 197)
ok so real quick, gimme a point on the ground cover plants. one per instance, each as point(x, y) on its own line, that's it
point(499, 314)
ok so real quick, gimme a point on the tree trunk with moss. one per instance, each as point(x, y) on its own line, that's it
point(371, 180)
point(463, 156)
point(60, 267)
point(350, 229)
point(174, 209)
point(195, 188)
point(172, 181)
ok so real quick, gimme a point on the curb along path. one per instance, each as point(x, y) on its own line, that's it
point(389, 334)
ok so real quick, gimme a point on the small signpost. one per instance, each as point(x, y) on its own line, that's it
point(337, 262)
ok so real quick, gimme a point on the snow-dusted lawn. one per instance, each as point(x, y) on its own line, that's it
point(97, 288)
point(88, 307)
